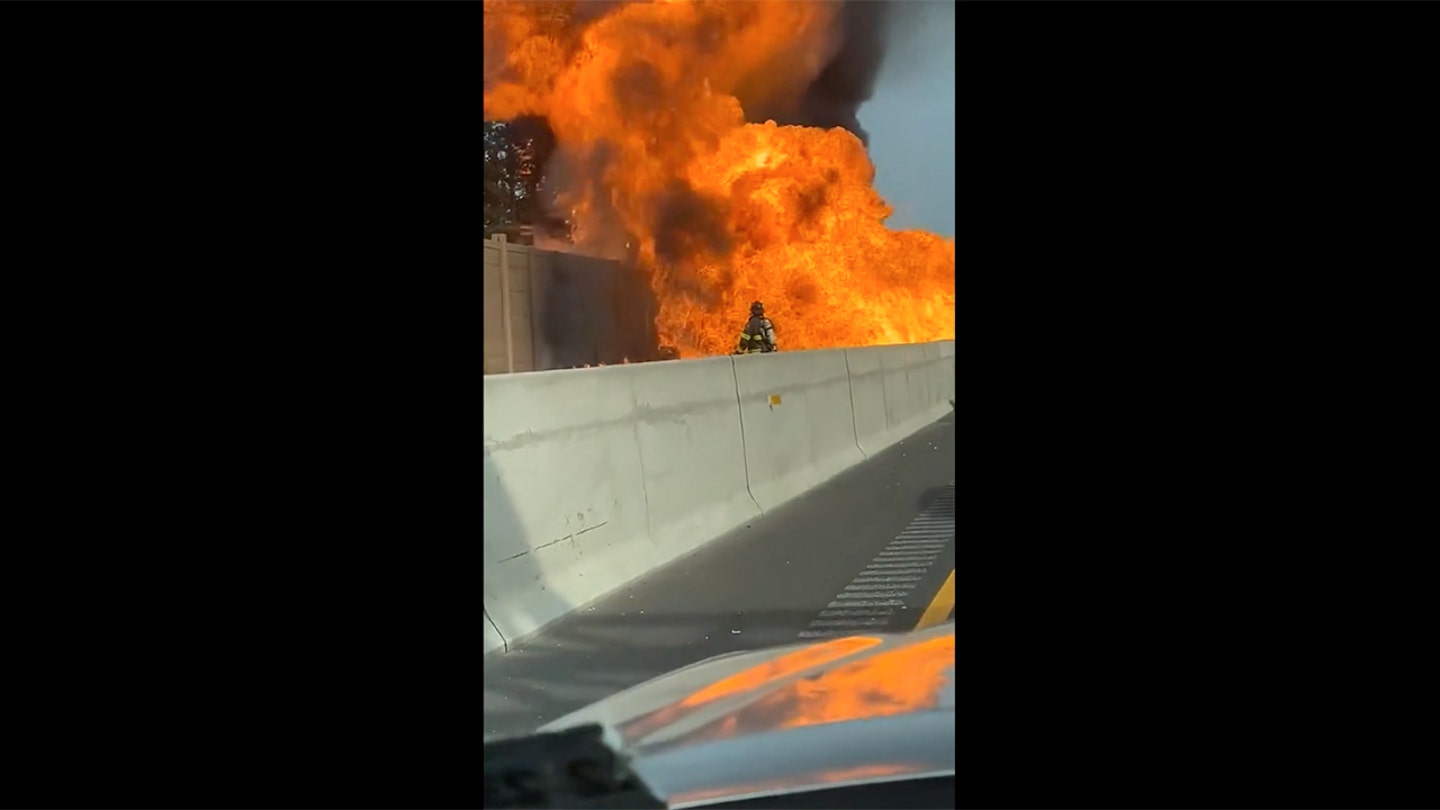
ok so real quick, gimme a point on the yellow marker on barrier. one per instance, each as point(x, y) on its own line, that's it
point(940, 606)
point(774, 399)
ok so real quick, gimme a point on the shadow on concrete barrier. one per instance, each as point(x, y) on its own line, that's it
point(514, 594)
point(561, 450)
point(594, 477)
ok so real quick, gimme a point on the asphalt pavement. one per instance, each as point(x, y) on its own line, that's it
point(871, 550)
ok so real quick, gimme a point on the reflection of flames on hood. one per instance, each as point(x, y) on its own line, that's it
point(886, 682)
point(904, 680)
point(654, 154)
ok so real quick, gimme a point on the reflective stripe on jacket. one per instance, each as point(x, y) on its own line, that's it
point(759, 336)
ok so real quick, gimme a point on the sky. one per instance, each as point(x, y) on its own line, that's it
point(911, 119)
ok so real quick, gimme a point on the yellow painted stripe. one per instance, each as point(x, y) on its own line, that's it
point(941, 605)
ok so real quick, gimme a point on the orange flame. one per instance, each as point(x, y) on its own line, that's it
point(644, 102)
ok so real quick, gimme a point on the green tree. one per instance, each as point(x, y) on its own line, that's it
point(501, 176)
point(515, 153)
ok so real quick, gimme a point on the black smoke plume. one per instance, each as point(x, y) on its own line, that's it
point(848, 81)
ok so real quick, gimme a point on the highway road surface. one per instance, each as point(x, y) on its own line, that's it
point(872, 550)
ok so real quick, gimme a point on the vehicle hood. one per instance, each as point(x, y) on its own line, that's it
point(856, 708)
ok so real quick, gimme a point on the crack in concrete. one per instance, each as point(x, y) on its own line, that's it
point(553, 542)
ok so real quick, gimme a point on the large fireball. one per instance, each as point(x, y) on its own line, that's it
point(656, 163)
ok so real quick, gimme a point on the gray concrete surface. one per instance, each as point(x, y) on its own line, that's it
point(759, 586)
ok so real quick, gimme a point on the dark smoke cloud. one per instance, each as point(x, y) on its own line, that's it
point(688, 225)
point(848, 81)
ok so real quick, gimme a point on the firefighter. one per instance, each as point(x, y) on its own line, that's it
point(759, 334)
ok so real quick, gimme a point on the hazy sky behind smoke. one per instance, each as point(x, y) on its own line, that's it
point(911, 118)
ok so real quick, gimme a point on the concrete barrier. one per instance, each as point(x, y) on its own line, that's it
point(564, 508)
point(799, 428)
point(944, 370)
point(867, 399)
point(687, 424)
point(594, 477)
point(896, 390)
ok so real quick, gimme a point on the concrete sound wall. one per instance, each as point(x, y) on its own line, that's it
point(546, 309)
point(594, 477)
